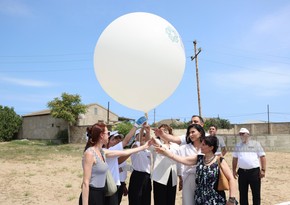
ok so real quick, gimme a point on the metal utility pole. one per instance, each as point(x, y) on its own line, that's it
point(108, 113)
point(197, 76)
point(269, 130)
point(154, 115)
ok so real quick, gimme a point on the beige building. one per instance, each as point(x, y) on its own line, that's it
point(97, 113)
point(42, 126)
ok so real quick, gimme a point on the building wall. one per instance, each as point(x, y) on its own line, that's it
point(43, 127)
point(259, 129)
point(277, 140)
point(78, 134)
point(96, 113)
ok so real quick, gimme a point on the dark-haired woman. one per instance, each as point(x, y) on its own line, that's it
point(95, 166)
point(194, 136)
point(207, 173)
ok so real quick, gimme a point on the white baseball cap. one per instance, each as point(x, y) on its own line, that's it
point(137, 131)
point(244, 130)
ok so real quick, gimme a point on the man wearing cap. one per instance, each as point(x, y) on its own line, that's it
point(249, 157)
point(115, 143)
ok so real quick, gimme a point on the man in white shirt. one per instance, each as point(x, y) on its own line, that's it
point(249, 156)
point(116, 144)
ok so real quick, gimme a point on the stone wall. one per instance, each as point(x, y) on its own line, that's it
point(279, 140)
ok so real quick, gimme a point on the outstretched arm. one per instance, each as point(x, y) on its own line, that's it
point(167, 137)
point(126, 152)
point(187, 160)
point(142, 120)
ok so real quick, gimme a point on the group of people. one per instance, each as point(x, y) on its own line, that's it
point(196, 158)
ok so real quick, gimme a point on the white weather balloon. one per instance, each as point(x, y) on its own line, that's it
point(139, 60)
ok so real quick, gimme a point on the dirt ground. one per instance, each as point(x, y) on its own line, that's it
point(57, 180)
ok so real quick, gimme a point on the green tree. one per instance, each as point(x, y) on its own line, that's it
point(123, 127)
point(68, 108)
point(183, 125)
point(220, 123)
point(10, 123)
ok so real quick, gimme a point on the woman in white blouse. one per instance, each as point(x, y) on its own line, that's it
point(164, 173)
point(194, 136)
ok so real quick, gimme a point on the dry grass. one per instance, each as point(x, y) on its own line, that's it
point(34, 172)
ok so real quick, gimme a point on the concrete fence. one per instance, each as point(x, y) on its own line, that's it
point(270, 142)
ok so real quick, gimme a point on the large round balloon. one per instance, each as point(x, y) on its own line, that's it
point(139, 60)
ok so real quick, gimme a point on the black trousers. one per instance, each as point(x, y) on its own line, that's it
point(96, 196)
point(121, 192)
point(112, 200)
point(139, 191)
point(164, 194)
point(249, 177)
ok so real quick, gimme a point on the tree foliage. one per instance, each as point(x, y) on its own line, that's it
point(183, 125)
point(220, 123)
point(10, 123)
point(123, 127)
point(68, 107)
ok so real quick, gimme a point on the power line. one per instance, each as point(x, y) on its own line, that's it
point(47, 61)
point(44, 55)
point(232, 65)
point(40, 71)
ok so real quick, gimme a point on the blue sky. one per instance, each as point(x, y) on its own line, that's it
point(47, 48)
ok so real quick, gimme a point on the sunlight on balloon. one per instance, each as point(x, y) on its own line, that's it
point(139, 60)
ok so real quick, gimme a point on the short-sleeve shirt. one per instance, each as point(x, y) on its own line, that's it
point(221, 145)
point(248, 154)
point(141, 161)
point(182, 139)
point(123, 171)
point(113, 163)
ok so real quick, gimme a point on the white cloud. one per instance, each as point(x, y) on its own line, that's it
point(270, 32)
point(26, 82)
point(266, 82)
point(274, 22)
point(14, 8)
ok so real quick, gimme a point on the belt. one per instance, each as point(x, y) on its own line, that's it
point(249, 170)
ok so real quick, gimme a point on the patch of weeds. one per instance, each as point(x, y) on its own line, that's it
point(27, 194)
point(36, 150)
point(68, 186)
point(30, 174)
point(71, 198)
point(64, 169)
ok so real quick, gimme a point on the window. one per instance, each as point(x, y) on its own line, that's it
point(96, 111)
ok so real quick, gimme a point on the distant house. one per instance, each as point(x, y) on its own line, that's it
point(97, 113)
point(42, 126)
point(169, 122)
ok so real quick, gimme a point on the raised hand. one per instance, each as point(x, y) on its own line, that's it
point(140, 121)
